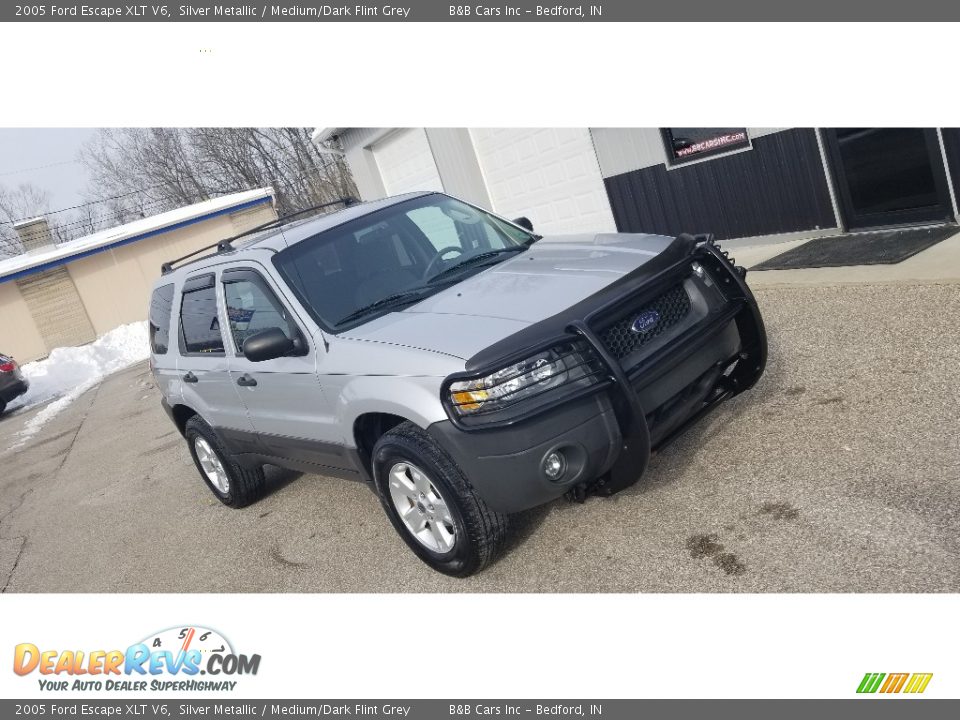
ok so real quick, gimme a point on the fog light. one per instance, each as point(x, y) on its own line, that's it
point(554, 465)
point(698, 270)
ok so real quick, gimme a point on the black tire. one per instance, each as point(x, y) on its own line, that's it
point(245, 486)
point(3, 406)
point(479, 531)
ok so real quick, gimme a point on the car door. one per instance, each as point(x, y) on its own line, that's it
point(287, 406)
point(205, 381)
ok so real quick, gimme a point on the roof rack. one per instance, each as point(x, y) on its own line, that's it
point(227, 244)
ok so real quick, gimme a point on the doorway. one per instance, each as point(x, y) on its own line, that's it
point(888, 176)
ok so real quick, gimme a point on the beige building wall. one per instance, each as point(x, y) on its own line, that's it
point(115, 285)
point(57, 310)
point(19, 336)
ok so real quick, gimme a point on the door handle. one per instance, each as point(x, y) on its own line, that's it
point(246, 381)
point(190, 378)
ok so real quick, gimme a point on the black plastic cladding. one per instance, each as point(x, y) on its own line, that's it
point(671, 307)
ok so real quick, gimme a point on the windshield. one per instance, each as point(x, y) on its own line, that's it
point(395, 256)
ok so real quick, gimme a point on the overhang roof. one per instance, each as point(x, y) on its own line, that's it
point(49, 258)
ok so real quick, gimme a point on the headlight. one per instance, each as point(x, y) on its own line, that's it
point(566, 365)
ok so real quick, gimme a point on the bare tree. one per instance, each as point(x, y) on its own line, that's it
point(138, 172)
point(141, 171)
point(19, 203)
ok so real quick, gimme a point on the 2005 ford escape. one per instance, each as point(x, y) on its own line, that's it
point(465, 366)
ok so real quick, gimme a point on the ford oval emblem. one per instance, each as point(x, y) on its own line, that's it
point(645, 321)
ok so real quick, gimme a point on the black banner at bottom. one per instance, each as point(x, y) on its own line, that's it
point(869, 708)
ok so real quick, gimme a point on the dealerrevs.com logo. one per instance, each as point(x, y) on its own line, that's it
point(179, 659)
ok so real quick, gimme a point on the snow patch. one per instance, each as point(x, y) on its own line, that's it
point(69, 372)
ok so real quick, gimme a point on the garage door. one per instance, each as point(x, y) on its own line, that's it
point(549, 175)
point(56, 308)
point(406, 162)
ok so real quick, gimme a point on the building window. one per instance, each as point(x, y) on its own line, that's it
point(688, 144)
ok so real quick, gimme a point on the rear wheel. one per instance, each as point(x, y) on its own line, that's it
point(233, 484)
point(432, 505)
point(3, 406)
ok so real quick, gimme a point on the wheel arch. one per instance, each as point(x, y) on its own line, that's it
point(368, 428)
point(181, 415)
point(369, 406)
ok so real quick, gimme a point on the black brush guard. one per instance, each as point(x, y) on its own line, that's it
point(704, 395)
point(586, 320)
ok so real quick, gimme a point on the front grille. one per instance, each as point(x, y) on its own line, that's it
point(652, 319)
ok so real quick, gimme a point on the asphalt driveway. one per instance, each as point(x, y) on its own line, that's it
point(839, 472)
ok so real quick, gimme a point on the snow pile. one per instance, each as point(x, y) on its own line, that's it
point(69, 372)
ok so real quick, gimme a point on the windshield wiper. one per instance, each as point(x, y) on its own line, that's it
point(397, 299)
point(475, 259)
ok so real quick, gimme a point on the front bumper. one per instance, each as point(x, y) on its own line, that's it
point(647, 401)
point(504, 466)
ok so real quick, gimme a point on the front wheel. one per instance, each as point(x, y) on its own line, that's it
point(432, 505)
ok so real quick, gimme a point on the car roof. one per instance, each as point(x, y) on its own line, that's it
point(283, 236)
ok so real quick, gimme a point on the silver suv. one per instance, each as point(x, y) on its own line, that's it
point(463, 365)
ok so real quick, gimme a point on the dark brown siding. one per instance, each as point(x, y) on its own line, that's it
point(778, 186)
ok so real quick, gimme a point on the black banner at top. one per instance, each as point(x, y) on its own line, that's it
point(506, 11)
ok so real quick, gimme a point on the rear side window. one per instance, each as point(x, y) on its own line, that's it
point(199, 321)
point(161, 305)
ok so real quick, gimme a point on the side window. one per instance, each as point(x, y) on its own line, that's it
point(161, 306)
point(199, 321)
point(252, 307)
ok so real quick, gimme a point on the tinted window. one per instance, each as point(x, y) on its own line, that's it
point(200, 322)
point(161, 305)
point(686, 144)
point(887, 169)
point(252, 307)
point(393, 251)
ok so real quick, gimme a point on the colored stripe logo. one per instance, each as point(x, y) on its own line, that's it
point(913, 683)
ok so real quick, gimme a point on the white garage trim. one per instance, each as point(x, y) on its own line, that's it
point(550, 175)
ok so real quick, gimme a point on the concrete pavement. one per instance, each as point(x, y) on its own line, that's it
point(839, 472)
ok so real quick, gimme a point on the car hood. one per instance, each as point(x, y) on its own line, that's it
point(553, 274)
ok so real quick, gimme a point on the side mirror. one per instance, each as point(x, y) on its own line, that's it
point(523, 222)
point(268, 344)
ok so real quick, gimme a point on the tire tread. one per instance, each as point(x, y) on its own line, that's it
point(487, 528)
point(246, 485)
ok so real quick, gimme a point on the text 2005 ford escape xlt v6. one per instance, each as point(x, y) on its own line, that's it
point(465, 366)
